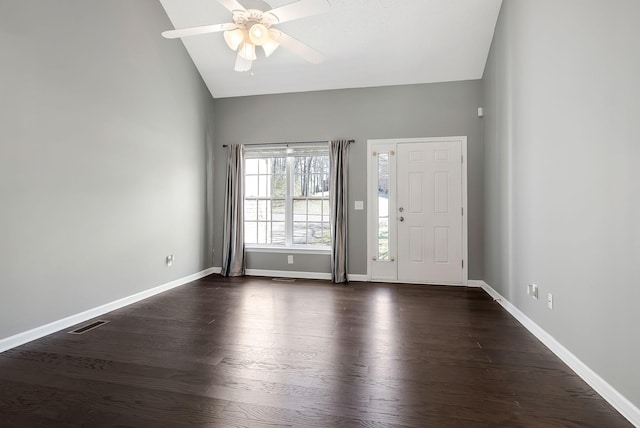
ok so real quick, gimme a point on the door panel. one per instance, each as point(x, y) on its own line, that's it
point(415, 192)
point(441, 245)
point(441, 193)
point(429, 189)
point(416, 244)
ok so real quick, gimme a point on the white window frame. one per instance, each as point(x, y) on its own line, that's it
point(289, 198)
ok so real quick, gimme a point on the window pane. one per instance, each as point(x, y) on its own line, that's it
point(315, 210)
point(325, 208)
point(264, 183)
point(264, 165)
point(251, 166)
point(326, 234)
point(251, 186)
point(264, 210)
point(277, 210)
point(309, 175)
point(278, 236)
point(279, 185)
point(279, 166)
point(383, 249)
point(299, 233)
point(383, 239)
point(318, 185)
point(383, 173)
point(268, 209)
point(314, 234)
point(250, 210)
point(268, 233)
point(325, 185)
point(383, 206)
point(299, 186)
point(300, 210)
point(250, 232)
point(262, 232)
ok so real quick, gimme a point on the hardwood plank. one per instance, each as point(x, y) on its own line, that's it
point(251, 352)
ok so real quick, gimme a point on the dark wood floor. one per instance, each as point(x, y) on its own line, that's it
point(258, 353)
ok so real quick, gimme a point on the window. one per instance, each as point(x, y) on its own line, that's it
point(383, 207)
point(286, 197)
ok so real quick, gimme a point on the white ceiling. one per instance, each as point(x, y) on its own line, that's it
point(366, 43)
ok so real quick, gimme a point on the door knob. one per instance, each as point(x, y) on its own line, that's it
point(401, 209)
point(401, 218)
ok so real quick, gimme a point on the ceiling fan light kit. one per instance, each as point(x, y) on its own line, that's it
point(243, 64)
point(234, 38)
point(258, 34)
point(252, 27)
point(272, 44)
point(247, 50)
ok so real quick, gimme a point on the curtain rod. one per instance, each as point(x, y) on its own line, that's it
point(293, 142)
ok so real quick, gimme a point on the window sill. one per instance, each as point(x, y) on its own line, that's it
point(288, 250)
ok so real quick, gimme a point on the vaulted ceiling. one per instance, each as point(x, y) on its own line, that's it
point(366, 43)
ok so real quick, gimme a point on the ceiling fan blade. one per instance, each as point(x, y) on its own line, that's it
point(299, 48)
point(231, 5)
point(194, 31)
point(299, 9)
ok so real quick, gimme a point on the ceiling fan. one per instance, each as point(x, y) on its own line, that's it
point(253, 26)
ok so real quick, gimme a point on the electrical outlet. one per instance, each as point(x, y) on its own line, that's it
point(169, 260)
point(550, 300)
point(290, 259)
point(532, 290)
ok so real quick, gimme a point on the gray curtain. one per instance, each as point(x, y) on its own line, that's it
point(233, 248)
point(339, 201)
point(210, 221)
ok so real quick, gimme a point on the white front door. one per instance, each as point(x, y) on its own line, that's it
point(417, 230)
point(430, 212)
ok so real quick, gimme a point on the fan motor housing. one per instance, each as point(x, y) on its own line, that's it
point(250, 17)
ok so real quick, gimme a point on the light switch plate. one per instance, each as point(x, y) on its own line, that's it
point(358, 205)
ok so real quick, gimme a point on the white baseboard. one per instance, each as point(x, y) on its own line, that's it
point(295, 274)
point(44, 330)
point(602, 387)
point(476, 283)
point(288, 274)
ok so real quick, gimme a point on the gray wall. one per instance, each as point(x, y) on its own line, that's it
point(562, 148)
point(103, 125)
point(433, 110)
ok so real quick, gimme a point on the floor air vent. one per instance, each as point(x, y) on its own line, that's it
point(86, 328)
point(284, 279)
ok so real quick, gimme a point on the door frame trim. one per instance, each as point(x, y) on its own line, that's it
point(465, 223)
